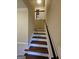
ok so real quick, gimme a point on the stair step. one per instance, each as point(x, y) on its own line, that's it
point(29, 56)
point(40, 33)
point(39, 45)
point(39, 42)
point(40, 30)
point(35, 39)
point(36, 53)
point(40, 37)
point(38, 49)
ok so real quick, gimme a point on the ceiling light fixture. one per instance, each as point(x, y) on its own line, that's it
point(39, 1)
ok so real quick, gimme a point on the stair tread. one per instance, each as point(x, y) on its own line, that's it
point(38, 49)
point(39, 30)
point(40, 33)
point(39, 42)
point(29, 56)
point(40, 37)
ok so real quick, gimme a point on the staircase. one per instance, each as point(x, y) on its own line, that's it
point(39, 47)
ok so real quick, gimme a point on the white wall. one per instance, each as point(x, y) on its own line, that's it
point(22, 29)
point(30, 23)
point(54, 24)
point(31, 19)
point(22, 25)
point(20, 4)
point(25, 19)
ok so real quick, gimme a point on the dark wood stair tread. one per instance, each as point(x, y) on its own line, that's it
point(40, 37)
point(39, 42)
point(29, 56)
point(40, 33)
point(38, 49)
point(40, 30)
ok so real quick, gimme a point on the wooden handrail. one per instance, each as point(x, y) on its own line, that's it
point(52, 47)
